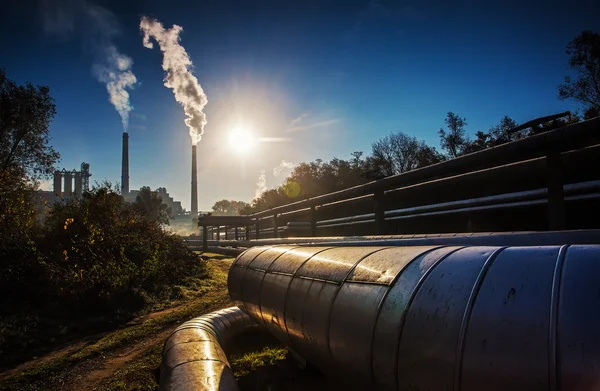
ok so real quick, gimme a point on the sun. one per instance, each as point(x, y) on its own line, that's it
point(242, 140)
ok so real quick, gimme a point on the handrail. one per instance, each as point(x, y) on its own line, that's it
point(561, 139)
point(545, 160)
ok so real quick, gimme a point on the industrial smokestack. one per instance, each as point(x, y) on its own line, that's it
point(125, 165)
point(194, 185)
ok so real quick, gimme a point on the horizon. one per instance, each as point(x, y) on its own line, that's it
point(319, 82)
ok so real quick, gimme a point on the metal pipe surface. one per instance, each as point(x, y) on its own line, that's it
point(432, 317)
point(550, 238)
point(192, 357)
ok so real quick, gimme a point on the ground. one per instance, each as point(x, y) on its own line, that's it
point(125, 358)
point(128, 357)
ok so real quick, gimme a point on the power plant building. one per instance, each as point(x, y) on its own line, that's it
point(131, 195)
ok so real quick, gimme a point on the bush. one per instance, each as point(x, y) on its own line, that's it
point(97, 253)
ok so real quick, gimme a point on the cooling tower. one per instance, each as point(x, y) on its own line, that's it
point(125, 165)
point(194, 185)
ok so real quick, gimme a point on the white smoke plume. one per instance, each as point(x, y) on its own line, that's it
point(282, 167)
point(118, 78)
point(261, 185)
point(177, 65)
point(98, 27)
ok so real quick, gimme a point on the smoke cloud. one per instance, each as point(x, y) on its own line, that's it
point(98, 27)
point(118, 78)
point(261, 185)
point(282, 167)
point(179, 78)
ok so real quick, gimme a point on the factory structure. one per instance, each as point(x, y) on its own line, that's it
point(130, 195)
point(67, 183)
point(64, 180)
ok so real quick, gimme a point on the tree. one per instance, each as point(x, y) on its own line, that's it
point(426, 156)
point(584, 52)
point(454, 141)
point(397, 153)
point(150, 205)
point(496, 135)
point(499, 134)
point(591, 112)
point(25, 116)
point(228, 208)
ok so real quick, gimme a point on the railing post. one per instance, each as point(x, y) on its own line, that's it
point(556, 196)
point(313, 221)
point(218, 233)
point(275, 227)
point(248, 230)
point(236, 233)
point(257, 227)
point(380, 212)
point(226, 231)
point(204, 238)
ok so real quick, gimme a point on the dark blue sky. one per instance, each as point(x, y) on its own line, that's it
point(353, 71)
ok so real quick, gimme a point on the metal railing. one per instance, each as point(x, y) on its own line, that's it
point(543, 175)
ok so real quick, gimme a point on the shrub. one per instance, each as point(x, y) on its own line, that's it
point(97, 253)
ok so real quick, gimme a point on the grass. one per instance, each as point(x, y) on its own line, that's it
point(139, 374)
point(249, 362)
point(202, 296)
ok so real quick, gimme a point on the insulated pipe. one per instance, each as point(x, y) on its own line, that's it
point(460, 239)
point(432, 317)
point(192, 357)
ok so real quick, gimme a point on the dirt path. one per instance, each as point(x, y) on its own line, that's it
point(114, 351)
point(90, 375)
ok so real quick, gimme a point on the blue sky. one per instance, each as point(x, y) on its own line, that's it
point(342, 73)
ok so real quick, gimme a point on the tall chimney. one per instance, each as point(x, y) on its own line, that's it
point(194, 185)
point(125, 165)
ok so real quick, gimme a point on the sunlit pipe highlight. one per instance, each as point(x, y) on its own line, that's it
point(193, 358)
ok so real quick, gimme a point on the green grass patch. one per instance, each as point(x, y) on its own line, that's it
point(249, 362)
point(138, 374)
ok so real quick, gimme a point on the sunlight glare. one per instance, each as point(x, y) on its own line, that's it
point(242, 140)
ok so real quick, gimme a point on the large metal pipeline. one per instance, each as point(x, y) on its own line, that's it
point(434, 317)
point(456, 239)
point(192, 355)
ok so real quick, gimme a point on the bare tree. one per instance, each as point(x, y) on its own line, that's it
point(398, 153)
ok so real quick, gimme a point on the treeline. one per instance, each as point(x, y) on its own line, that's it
point(399, 152)
point(93, 254)
point(391, 155)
